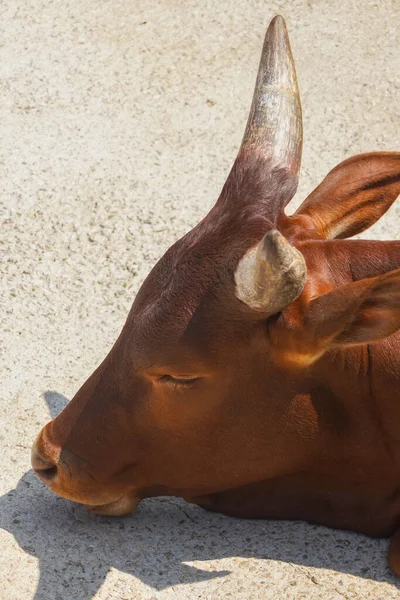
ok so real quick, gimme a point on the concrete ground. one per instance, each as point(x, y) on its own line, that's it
point(119, 122)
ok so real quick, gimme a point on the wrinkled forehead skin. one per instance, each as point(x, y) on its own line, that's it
point(197, 272)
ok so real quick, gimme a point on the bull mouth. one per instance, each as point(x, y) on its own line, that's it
point(123, 506)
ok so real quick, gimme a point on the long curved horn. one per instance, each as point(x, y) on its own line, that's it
point(274, 129)
point(271, 275)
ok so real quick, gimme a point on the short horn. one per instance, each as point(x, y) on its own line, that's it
point(274, 128)
point(271, 275)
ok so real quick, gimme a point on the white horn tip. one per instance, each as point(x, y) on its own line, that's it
point(270, 275)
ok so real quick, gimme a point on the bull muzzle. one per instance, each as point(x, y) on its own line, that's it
point(69, 476)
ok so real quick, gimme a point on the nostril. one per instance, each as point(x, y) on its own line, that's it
point(45, 469)
point(47, 474)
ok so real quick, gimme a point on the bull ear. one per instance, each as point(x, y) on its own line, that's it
point(271, 275)
point(361, 312)
point(354, 195)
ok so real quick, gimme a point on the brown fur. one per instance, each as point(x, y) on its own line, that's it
point(294, 415)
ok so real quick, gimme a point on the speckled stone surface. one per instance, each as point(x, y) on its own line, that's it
point(119, 123)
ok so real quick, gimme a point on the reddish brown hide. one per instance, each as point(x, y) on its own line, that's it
point(257, 373)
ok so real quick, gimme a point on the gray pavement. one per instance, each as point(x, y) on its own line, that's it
point(119, 123)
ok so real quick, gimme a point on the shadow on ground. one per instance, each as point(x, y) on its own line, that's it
point(76, 549)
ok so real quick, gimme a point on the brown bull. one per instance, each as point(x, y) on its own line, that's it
point(257, 373)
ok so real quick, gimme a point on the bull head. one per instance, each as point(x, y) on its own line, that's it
point(205, 389)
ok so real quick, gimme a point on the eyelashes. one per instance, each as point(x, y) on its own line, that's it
point(185, 382)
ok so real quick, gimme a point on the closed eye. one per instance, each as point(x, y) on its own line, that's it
point(178, 380)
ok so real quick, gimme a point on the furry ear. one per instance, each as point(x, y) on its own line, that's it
point(362, 312)
point(354, 195)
